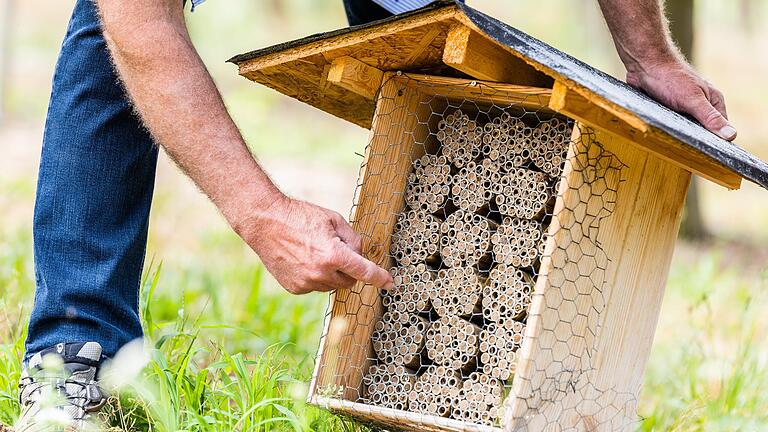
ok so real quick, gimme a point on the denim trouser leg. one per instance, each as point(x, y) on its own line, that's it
point(93, 199)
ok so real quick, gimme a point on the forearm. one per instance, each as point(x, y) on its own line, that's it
point(180, 105)
point(640, 32)
point(655, 65)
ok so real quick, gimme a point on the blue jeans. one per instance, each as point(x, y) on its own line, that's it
point(94, 193)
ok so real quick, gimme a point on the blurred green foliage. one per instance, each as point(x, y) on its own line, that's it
point(212, 299)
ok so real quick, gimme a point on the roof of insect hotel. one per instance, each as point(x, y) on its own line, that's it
point(449, 39)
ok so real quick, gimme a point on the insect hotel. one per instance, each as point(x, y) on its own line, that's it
point(527, 206)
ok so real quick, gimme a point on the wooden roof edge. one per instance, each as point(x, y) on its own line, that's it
point(269, 56)
point(728, 155)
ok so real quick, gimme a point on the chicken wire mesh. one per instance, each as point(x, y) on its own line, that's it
point(487, 212)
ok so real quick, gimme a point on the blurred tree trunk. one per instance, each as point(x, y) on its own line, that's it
point(681, 24)
point(277, 8)
point(6, 9)
point(746, 13)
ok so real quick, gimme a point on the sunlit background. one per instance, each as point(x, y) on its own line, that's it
point(708, 368)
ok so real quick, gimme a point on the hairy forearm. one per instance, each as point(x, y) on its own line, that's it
point(180, 105)
point(655, 65)
point(640, 32)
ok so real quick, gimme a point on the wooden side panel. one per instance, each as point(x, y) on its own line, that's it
point(399, 128)
point(597, 300)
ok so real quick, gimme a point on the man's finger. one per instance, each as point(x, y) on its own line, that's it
point(346, 233)
point(340, 280)
point(703, 111)
point(362, 269)
point(718, 101)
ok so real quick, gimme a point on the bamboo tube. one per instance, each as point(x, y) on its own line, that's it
point(466, 238)
point(435, 392)
point(459, 138)
point(549, 144)
point(398, 339)
point(457, 291)
point(389, 386)
point(500, 342)
point(453, 342)
point(415, 238)
point(412, 286)
point(479, 394)
point(523, 194)
point(429, 184)
point(507, 293)
point(516, 242)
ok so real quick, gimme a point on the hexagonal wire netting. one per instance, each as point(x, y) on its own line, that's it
point(488, 213)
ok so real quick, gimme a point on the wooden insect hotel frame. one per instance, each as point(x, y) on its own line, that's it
point(528, 206)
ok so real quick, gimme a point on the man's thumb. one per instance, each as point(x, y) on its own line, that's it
point(703, 111)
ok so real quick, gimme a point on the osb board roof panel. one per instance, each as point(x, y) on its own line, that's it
point(576, 74)
point(334, 33)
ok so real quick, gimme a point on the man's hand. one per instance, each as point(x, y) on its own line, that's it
point(654, 64)
point(679, 87)
point(308, 248)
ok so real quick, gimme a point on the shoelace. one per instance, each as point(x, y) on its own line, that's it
point(91, 399)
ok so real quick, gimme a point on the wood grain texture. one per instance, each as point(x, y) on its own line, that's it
point(595, 114)
point(301, 73)
point(399, 420)
point(459, 89)
point(398, 126)
point(355, 76)
point(597, 300)
point(472, 53)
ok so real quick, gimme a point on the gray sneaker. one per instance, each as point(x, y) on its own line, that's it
point(58, 390)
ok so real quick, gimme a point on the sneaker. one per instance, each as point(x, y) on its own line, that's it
point(58, 390)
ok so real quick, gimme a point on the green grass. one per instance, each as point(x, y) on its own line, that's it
point(227, 350)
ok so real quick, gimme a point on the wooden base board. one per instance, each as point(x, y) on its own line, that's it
point(401, 419)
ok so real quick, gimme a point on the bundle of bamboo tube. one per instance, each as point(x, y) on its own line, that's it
point(457, 269)
point(507, 293)
point(460, 138)
point(429, 184)
point(453, 342)
point(479, 399)
point(457, 291)
point(412, 288)
point(550, 141)
point(466, 238)
point(499, 342)
point(389, 385)
point(474, 185)
point(435, 392)
point(398, 338)
point(523, 193)
point(517, 242)
point(416, 237)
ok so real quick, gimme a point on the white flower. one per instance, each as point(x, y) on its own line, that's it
point(126, 367)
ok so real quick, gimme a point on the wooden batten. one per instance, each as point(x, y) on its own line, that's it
point(601, 116)
point(614, 273)
point(364, 80)
point(355, 76)
point(534, 98)
point(475, 55)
